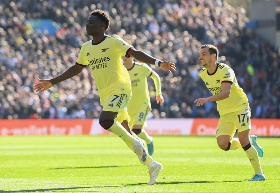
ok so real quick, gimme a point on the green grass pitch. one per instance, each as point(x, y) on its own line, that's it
point(106, 164)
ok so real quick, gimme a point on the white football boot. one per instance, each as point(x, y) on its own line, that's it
point(154, 171)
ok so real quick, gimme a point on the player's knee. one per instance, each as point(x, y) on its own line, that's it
point(106, 124)
point(136, 131)
point(224, 145)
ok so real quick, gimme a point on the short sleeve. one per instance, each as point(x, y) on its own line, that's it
point(122, 47)
point(82, 60)
point(227, 75)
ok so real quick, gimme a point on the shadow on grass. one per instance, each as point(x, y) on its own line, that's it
point(59, 189)
point(89, 167)
point(190, 182)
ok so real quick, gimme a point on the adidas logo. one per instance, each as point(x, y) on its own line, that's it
point(104, 50)
point(243, 124)
point(218, 81)
point(136, 74)
point(206, 83)
point(88, 54)
point(111, 105)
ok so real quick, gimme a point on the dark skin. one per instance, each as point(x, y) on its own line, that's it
point(126, 125)
point(95, 27)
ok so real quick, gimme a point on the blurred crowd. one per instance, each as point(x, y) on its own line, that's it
point(168, 30)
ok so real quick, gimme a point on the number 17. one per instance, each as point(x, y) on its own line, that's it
point(239, 117)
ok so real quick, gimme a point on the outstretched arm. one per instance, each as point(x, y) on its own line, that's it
point(72, 71)
point(46, 84)
point(145, 58)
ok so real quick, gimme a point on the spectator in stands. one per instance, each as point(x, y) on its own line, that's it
point(166, 29)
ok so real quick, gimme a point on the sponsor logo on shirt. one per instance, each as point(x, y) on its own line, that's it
point(134, 82)
point(99, 63)
point(215, 90)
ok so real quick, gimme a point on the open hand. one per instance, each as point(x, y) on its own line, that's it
point(42, 85)
point(201, 101)
point(160, 100)
point(168, 66)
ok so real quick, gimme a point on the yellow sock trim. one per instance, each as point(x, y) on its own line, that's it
point(149, 160)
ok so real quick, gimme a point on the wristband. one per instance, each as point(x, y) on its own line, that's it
point(157, 62)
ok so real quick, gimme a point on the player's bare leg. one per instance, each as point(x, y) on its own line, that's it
point(224, 142)
point(126, 126)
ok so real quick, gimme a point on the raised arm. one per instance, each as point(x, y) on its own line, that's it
point(46, 84)
point(145, 58)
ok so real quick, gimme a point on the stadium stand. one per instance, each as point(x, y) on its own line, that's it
point(172, 29)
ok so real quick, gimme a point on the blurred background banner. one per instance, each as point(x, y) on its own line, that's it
point(204, 127)
point(45, 26)
point(169, 126)
point(198, 127)
point(45, 127)
point(260, 127)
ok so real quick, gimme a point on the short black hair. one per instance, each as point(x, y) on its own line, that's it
point(212, 49)
point(103, 16)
